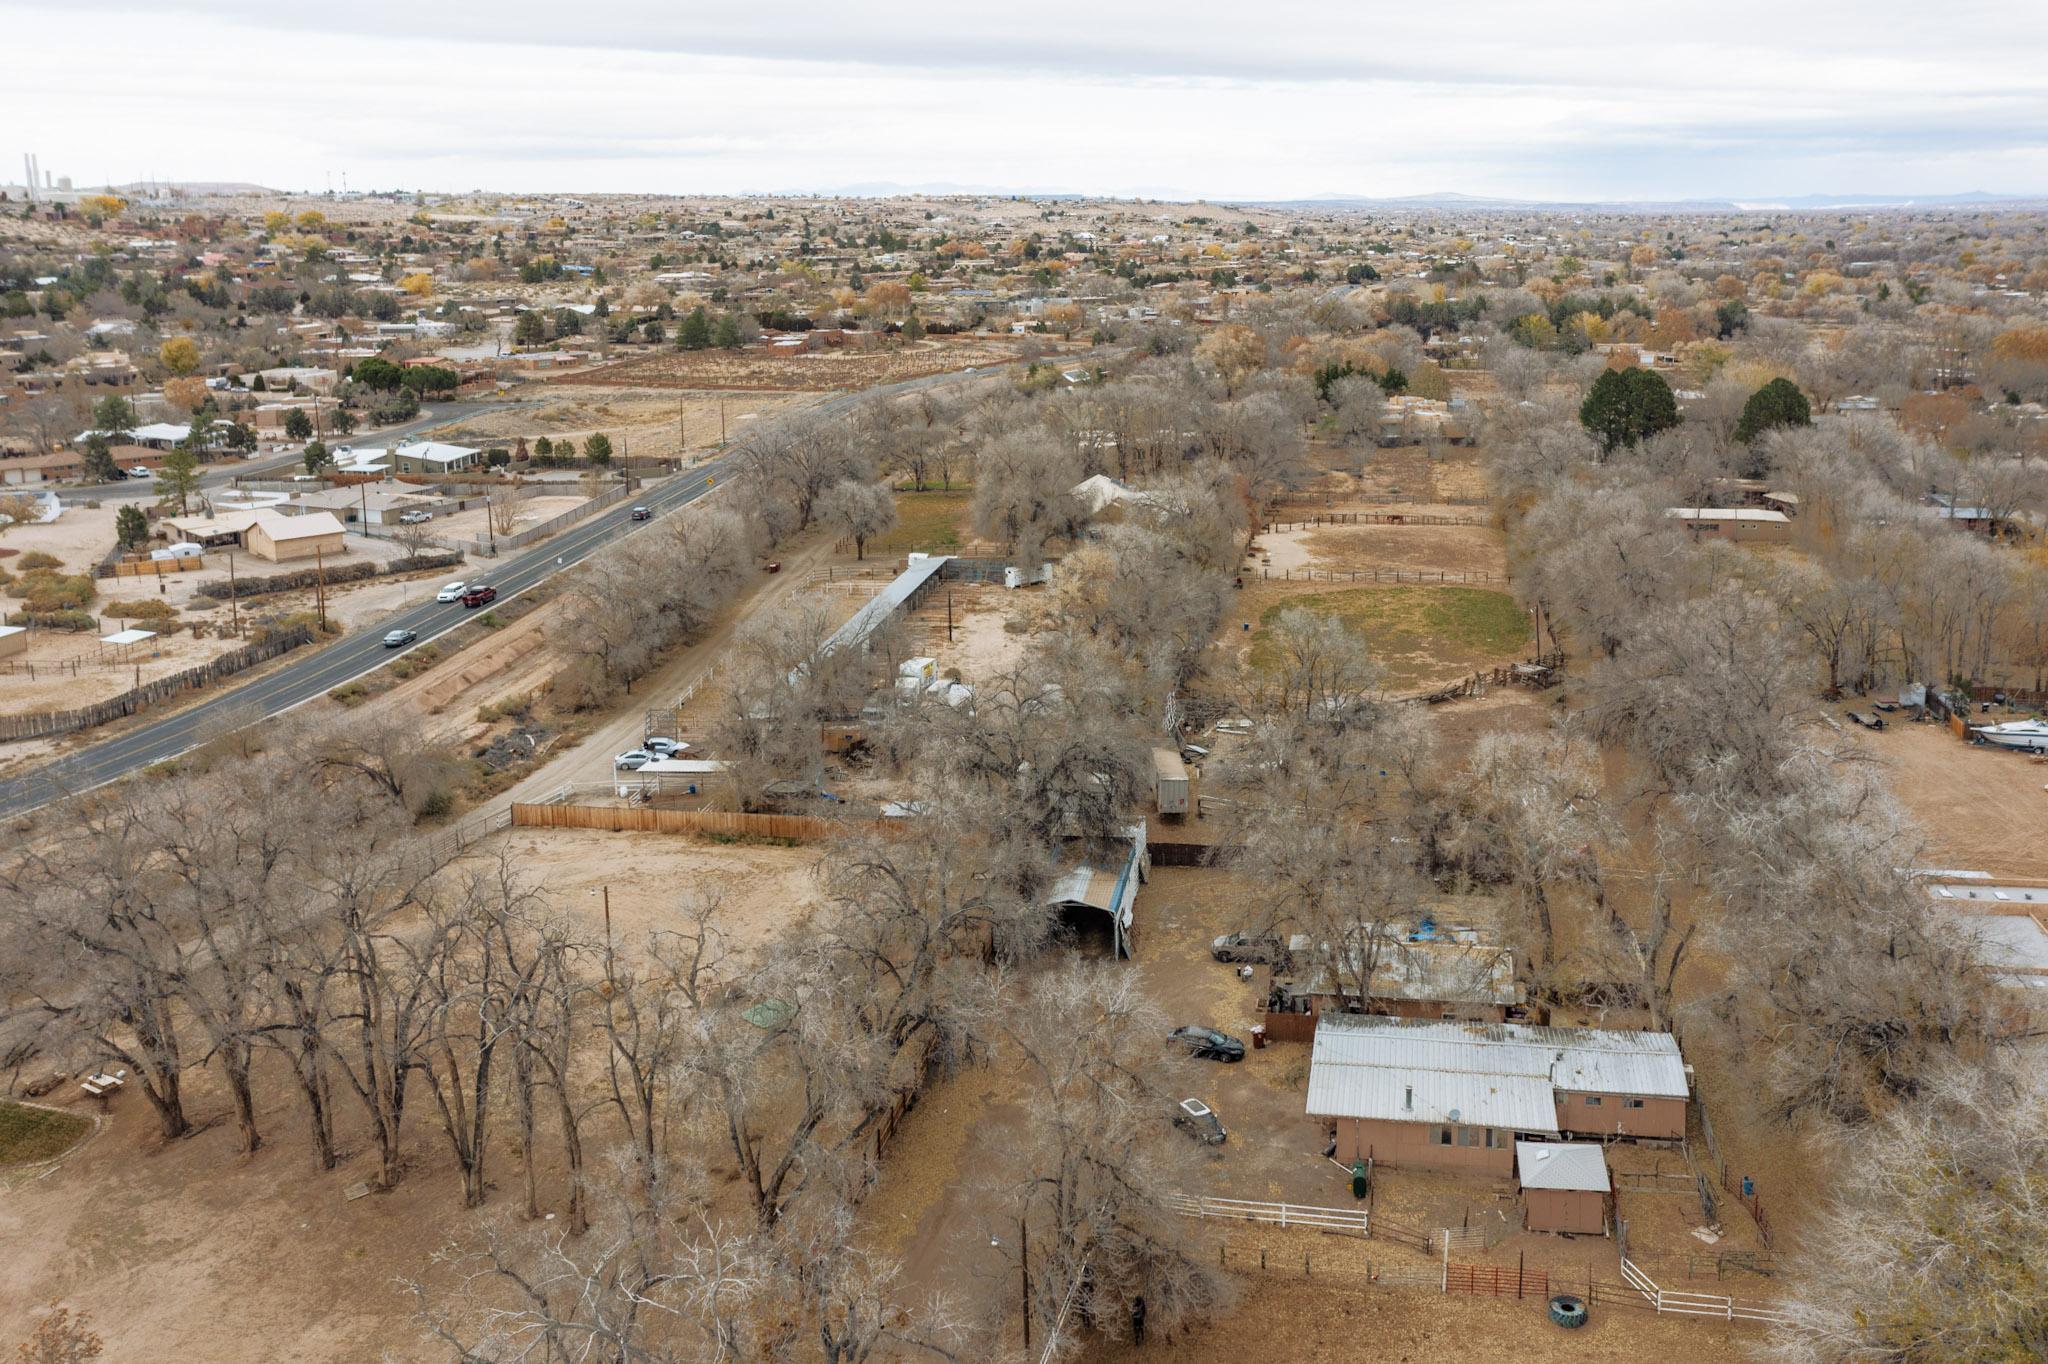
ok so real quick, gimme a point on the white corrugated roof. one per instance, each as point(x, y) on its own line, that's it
point(1522, 1103)
point(1575, 1165)
point(1361, 1067)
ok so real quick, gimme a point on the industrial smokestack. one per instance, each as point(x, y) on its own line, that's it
point(28, 170)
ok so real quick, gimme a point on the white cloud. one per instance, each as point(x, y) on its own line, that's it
point(1566, 100)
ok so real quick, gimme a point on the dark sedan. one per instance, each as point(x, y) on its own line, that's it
point(1206, 1044)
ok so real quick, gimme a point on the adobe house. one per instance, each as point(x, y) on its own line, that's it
point(1455, 1096)
point(1565, 1186)
point(1738, 525)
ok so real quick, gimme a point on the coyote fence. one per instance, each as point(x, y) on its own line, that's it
point(38, 724)
point(1376, 575)
point(622, 819)
point(1370, 519)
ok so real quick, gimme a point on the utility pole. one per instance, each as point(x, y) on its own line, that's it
point(682, 438)
point(721, 423)
point(234, 603)
point(320, 587)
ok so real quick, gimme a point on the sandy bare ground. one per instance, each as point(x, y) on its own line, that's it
point(1982, 809)
point(1331, 1318)
point(72, 670)
point(531, 511)
point(815, 371)
point(761, 891)
point(1364, 549)
point(649, 423)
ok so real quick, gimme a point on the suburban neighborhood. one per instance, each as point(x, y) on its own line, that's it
point(911, 771)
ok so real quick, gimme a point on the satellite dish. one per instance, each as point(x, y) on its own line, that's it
point(1454, 1115)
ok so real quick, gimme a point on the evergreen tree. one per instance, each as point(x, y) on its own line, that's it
point(530, 330)
point(1627, 406)
point(727, 336)
point(298, 425)
point(598, 449)
point(317, 457)
point(113, 415)
point(1777, 403)
point(99, 460)
point(131, 527)
point(695, 333)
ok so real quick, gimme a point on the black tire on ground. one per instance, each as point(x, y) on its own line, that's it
point(1568, 1310)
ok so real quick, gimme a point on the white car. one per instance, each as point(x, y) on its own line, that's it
point(665, 748)
point(140, 471)
point(415, 518)
point(633, 760)
point(452, 592)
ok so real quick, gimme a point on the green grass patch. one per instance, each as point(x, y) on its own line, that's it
point(1416, 632)
point(32, 1134)
point(928, 520)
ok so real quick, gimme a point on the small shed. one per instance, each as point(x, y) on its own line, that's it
point(1564, 1186)
point(13, 640)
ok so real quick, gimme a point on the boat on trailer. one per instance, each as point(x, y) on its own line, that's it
point(2028, 736)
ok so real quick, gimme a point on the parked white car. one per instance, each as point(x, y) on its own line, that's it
point(665, 748)
point(632, 760)
point(415, 518)
point(452, 592)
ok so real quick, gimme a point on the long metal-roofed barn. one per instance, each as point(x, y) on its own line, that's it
point(903, 593)
point(1456, 1095)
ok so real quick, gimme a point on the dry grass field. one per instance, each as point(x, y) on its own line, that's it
point(811, 371)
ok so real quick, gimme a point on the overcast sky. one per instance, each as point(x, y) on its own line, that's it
point(1274, 99)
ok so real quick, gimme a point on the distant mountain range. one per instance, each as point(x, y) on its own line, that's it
point(1801, 203)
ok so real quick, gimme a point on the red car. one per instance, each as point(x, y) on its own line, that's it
point(479, 594)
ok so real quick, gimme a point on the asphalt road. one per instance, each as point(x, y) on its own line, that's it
point(356, 655)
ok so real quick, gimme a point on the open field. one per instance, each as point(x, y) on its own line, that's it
point(1420, 634)
point(1983, 809)
point(807, 372)
point(30, 1132)
point(927, 520)
point(646, 424)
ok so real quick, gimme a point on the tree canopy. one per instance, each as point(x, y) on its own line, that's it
point(1627, 406)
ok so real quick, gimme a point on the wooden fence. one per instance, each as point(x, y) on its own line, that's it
point(148, 568)
point(1371, 519)
point(1289, 1027)
point(623, 819)
point(1431, 576)
point(40, 724)
point(1357, 1221)
point(1697, 1304)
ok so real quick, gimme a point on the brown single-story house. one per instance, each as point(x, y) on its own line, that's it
point(266, 534)
point(1740, 525)
point(1565, 1186)
point(1456, 1096)
point(283, 538)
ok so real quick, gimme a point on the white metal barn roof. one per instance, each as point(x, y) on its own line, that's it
point(1492, 1074)
point(1575, 1165)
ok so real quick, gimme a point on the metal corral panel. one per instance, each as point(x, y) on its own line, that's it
point(1561, 1165)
